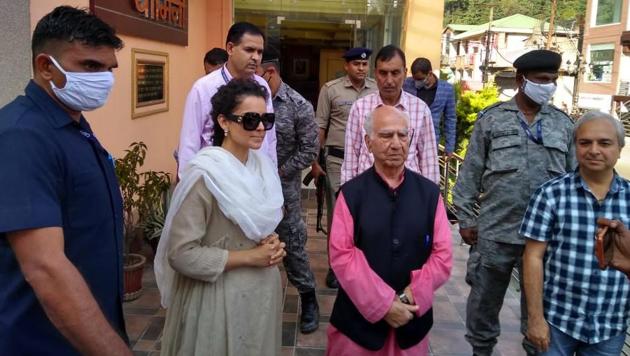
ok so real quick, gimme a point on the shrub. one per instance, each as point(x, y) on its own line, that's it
point(469, 104)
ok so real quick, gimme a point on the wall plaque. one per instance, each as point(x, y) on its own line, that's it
point(150, 82)
point(159, 20)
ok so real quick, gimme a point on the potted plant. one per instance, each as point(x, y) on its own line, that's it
point(153, 225)
point(142, 194)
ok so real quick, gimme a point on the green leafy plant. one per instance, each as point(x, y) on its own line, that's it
point(469, 104)
point(143, 193)
point(153, 225)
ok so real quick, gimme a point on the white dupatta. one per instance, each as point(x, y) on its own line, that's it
point(248, 194)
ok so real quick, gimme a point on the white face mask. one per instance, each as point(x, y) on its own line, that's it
point(539, 93)
point(83, 91)
point(420, 84)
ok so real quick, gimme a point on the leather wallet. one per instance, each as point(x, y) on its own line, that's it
point(604, 246)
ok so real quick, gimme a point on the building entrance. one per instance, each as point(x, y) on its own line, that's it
point(311, 35)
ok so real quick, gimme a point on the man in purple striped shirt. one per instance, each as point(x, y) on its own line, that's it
point(244, 45)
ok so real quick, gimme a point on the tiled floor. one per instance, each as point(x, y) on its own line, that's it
point(145, 318)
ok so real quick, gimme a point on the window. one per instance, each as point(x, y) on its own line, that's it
point(601, 62)
point(607, 12)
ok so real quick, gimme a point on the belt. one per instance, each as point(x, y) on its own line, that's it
point(335, 152)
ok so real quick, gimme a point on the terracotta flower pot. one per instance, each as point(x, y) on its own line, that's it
point(133, 269)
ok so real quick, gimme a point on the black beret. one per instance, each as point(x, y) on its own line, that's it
point(357, 53)
point(540, 60)
point(270, 54)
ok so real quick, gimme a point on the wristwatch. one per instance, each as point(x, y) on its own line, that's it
point(403, 298)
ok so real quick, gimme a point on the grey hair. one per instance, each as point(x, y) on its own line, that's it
point(368, 123)
point(598, 115)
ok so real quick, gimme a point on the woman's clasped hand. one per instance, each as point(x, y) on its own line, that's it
point(270, 251)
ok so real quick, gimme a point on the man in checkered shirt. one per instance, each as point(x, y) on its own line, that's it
point(390, 74)
point(579, 308)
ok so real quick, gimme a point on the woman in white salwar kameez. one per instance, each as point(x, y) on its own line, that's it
point(216, 264)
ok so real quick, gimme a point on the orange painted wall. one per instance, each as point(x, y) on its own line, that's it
point(208, 23)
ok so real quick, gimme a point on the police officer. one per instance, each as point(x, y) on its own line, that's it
point(333, 106)
point(297, 147)
point(515, 146)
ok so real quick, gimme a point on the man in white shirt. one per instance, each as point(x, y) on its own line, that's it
point(244, 45)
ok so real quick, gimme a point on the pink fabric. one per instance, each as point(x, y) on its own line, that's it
point(369, 293)
point(196, 132)
point(342, 346)
point(422, 156)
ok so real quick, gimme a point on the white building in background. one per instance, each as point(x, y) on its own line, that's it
point(464, 51)
point(606, 77)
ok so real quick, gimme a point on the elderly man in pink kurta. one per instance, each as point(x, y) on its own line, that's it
point(390, 247)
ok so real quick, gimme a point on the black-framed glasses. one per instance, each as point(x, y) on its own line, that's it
point(250, 120)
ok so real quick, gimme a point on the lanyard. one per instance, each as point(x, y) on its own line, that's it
point(539, 138)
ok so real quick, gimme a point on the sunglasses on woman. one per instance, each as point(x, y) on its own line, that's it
point(250, 120)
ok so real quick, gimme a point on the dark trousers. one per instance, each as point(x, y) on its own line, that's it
point(488, 273)
point(292, 231)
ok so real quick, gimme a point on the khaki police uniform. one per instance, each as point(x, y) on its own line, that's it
point(333, 106)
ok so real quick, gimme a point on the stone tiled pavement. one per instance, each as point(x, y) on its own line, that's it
point(145, 318)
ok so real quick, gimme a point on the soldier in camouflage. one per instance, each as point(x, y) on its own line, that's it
point(297, 147)
point(515, 147)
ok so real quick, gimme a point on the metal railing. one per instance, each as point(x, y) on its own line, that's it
point(621, 109)
point(449, 171)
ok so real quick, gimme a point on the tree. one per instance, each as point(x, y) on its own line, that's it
point(475, 12)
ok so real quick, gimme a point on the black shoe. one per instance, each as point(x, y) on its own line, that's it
point(482, 351)
point(309, 319)
point(331, 279)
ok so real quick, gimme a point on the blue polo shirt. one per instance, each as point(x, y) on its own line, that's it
point(55, 173)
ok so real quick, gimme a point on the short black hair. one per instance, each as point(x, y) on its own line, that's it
point(388, 52)
point(228, 97)
point(216, 56)
point(69, 24)
point(422, 65)
point(271, 57)
point(236, 32)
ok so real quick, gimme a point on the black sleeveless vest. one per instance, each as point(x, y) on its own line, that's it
point(394, 229)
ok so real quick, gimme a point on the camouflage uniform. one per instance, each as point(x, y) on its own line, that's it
point(297, 147)
point(503, 167)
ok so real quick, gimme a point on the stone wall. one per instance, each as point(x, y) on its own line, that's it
point(15, 58)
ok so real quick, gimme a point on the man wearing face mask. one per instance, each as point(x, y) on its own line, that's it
point(60, 205)
point(297, 147)
point(515, 147)
point(439, 96)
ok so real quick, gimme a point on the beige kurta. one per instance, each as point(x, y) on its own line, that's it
point(216, 312)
